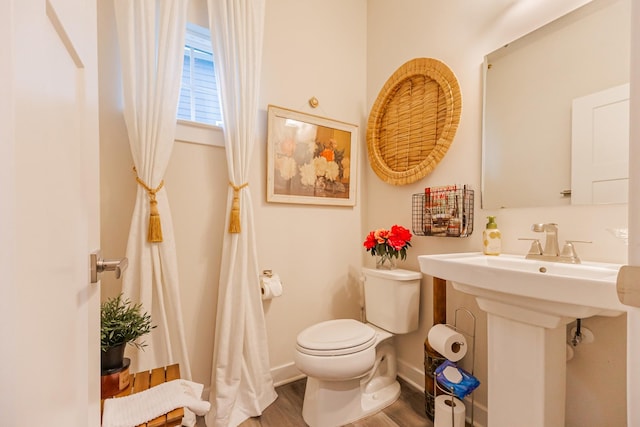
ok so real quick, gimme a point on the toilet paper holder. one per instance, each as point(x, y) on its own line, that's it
point(471, 338)
point(270, 285)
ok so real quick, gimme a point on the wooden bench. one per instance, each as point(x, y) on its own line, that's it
point(144, 380)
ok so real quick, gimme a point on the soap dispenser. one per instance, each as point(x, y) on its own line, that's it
point(491, 238)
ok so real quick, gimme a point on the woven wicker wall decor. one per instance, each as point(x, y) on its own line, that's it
point(413, 121)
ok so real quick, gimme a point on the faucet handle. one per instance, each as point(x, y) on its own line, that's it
point(536, 247)
point(569, 251)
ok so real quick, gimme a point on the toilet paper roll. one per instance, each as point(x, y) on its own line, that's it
point(448, 342)
point(443, 412)
point(271, 287)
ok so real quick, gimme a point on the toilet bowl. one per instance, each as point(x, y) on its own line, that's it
point(350, 365)
point(336, 349)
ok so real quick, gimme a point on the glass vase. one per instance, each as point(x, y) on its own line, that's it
point(385, 262)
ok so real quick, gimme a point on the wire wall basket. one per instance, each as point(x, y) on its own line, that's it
point(443, 211)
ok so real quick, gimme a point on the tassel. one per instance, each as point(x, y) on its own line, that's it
point(234, 220)
point(154, 233)
point(234, 223)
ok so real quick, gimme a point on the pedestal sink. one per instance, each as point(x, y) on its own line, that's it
point(528, 304)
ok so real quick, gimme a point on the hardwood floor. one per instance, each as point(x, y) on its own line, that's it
point(286, 411)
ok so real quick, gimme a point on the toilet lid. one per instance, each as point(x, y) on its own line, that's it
point(336, 337)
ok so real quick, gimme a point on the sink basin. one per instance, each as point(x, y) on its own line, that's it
point(565, 290)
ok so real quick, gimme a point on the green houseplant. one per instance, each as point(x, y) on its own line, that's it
point(121, 322)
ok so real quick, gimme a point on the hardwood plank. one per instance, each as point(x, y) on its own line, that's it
point(140, 382)
point(173, 372)
point(377, 420)
point(161, 421)
point(408, 410)
point(157, 376)
point(288, 411)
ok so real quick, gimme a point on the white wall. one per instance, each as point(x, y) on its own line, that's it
point(311, 49)
point(342, 53)
point(460, 33)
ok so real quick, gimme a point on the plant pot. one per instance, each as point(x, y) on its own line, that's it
point(114, 381)
point(112, 358)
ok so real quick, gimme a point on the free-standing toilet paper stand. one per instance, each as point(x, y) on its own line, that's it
point(471, 337)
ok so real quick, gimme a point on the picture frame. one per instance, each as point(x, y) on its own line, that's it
point(310, 159)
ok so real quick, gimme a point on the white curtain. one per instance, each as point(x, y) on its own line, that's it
point(242, 386)
point(151, 36)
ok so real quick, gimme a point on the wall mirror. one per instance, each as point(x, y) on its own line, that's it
point(529, 91)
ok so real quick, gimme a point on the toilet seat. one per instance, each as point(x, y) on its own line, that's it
point(336, 338)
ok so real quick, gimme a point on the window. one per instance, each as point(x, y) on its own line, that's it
point(199, 100)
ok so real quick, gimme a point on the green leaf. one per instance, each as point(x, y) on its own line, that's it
point(121, 321)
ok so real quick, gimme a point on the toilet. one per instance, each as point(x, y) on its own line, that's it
point(351, 366)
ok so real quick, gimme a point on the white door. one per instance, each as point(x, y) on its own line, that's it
point(49, 223)
point(600, 147)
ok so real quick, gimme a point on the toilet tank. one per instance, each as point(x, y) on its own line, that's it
point(392, 299)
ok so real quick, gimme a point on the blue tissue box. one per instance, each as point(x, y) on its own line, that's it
point(467, 384)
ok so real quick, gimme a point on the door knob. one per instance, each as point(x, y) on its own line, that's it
point(99, 265)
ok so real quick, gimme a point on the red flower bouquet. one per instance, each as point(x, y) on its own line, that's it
point(389, 243)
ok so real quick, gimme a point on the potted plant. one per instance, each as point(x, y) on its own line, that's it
point(121, 323)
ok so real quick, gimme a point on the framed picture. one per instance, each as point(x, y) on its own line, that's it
point(310, 159)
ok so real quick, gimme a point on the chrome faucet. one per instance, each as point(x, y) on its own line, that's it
point(551, 242)
point(551, 251)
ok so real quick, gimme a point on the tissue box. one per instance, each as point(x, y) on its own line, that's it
point(460, 389)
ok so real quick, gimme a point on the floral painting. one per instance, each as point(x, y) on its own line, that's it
point(310, 159)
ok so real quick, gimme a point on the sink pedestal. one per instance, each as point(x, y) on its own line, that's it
point(526, 371)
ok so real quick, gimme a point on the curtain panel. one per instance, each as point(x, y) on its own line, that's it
point(241, 384)
point(151, 37)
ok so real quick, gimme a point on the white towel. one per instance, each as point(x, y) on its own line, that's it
point(138, 408)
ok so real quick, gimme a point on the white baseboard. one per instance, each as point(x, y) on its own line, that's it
point(285, 374)
point(411, 374)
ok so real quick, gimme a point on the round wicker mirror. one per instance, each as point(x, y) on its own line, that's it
point(413, 121)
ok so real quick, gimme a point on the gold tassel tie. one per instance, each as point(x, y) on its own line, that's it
point(154, 234)
point(234, 222)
